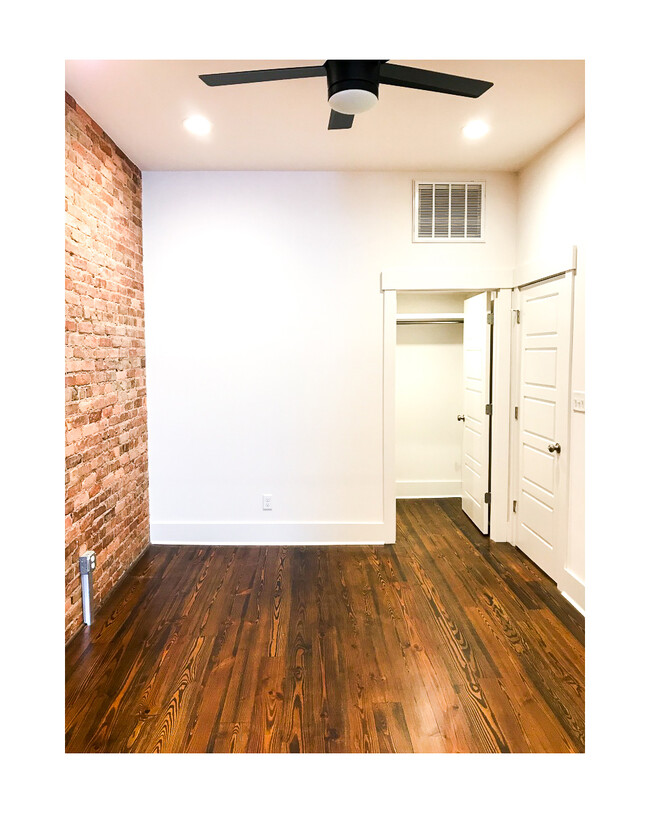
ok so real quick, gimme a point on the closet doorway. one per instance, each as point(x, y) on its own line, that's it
point(443, 398)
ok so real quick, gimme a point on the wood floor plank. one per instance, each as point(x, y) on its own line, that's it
point(392, 731)
point(231, 738)
point(360, 735)
point(268, 709)
point(297, 725)
point(443, 642)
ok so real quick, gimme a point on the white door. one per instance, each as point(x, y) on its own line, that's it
point(542, 478)
point(476, 397)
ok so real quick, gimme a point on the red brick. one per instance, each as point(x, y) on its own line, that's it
point(106, 431)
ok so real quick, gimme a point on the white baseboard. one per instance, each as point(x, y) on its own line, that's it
point(413, 489)
point(573, 589)
point(269, 533)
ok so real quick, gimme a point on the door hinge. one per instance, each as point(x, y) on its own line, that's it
point(488, 497)
point(514, 506)
point(490, 318)
point(516, 413)
point(488, 409)
point(517, 316)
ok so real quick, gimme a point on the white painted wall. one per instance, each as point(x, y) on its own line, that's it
point(550, 207)
point(428, 397)
point(264, 344)
point(550, 222)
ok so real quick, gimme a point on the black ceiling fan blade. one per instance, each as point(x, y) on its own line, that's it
point(402, 76)
point(339, 121)
point(266, 75)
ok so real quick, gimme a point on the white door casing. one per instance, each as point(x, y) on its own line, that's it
point(544, 368)
point(476, 426)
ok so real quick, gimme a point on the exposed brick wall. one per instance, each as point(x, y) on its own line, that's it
point(107, 506)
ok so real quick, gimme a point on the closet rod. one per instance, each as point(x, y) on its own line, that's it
point(429, 318)
point(430, 322)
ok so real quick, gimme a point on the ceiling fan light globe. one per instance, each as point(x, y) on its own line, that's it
point(352, 101)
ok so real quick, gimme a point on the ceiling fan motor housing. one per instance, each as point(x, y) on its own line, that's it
point(352, 74)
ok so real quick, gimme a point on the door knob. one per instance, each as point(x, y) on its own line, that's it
point(554, 447)
point(460, 417)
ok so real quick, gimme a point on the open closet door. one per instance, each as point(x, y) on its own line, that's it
point(476, 397)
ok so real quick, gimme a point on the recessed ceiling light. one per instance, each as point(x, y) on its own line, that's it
point(198, 125)
point(475, 129)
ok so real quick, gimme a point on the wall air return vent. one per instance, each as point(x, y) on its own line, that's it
point(448, 212)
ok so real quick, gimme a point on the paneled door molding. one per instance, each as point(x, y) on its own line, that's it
point(539, 485)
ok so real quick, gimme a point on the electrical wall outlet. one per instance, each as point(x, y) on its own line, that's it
point(266, 502)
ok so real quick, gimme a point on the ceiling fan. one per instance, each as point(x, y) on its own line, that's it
point(353, 84)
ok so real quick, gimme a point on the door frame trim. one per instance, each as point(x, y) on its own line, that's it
point(388, 452)
point(501, 417)
point(501, 373)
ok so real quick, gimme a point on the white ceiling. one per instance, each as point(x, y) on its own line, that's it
point(283, 125)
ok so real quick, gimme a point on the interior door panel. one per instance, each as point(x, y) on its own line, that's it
point(544, 333)
point(476, 394)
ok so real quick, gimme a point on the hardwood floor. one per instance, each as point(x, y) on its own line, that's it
point(444, 642)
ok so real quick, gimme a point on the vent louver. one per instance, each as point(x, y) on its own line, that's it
point(448, 211)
